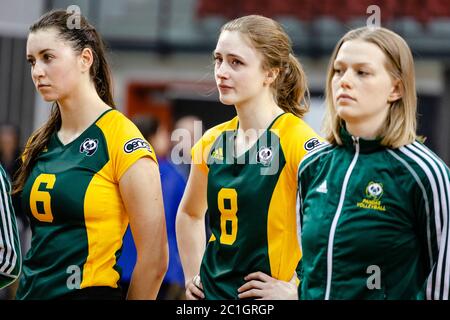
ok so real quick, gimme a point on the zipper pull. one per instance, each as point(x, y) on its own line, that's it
point(355, 140)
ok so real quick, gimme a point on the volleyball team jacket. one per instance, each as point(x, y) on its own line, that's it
point(374, 222)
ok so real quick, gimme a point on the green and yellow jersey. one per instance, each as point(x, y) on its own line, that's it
point(77, 215)
point(251, 203)
point(10, 255)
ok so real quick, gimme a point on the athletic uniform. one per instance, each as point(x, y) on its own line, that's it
point(251, 203)
point(10, 255)
point(77, 215)
point(374, 221)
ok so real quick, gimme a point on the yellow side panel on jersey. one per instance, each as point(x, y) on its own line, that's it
point(105, 230)
point(201, 149)
point(284, 248)
point(106, 218)
point(282, 229)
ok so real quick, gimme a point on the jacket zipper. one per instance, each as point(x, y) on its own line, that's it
point(336, 218)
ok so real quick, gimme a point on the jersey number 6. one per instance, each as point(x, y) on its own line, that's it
point(228, 213)
point(42, 196)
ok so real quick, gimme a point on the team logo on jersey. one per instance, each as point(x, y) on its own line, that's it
point(89, 146)
point(264, 156)
point(374, 192)
point(135, 144)
point(311, 144)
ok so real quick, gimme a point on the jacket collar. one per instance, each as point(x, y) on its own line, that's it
point(365, 146)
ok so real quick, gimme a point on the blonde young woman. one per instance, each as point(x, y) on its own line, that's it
point(244, 171)
point(382, 229)
point(374, 202)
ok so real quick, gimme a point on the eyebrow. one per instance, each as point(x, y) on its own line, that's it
point(358, 64)
point(40, 52)
point(230, 55)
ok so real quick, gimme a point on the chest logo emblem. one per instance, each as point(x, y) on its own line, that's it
point(264, 156)
point(373, 193)
point(374, 190)
point(89, 146)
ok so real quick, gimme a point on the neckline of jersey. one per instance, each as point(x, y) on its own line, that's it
point(64, 146)
point(244, 154)
point(365, 145)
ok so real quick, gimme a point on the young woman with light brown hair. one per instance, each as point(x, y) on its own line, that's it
point(244, 171)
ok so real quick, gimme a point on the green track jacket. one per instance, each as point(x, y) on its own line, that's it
point(374, 222)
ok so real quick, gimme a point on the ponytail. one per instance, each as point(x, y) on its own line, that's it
point(36, 144)
point(292, 94)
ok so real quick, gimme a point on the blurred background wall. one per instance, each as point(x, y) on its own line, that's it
point(160, 52)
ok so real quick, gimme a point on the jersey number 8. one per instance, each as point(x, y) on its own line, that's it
point(42, 196)
point(228, 213)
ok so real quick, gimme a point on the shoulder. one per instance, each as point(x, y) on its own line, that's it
point(213, 133)
point(293, 131)
point(118, 129)
point(422, 164)
point(114, 121)
point(289, 124)
point(122, 136)
point(202, 147)
point(316, 156)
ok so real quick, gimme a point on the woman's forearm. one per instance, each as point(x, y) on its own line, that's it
point(146, 279)
point(191, 243)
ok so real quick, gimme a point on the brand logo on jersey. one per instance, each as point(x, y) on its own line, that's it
point(264, 156)
point(323, 187)
point(217, 154)
point(311, 144)
point(374, 192)
point(89, 146)
point(135, 144)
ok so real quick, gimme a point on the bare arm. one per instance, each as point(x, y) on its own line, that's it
point(140, 188)
point(190, 225)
